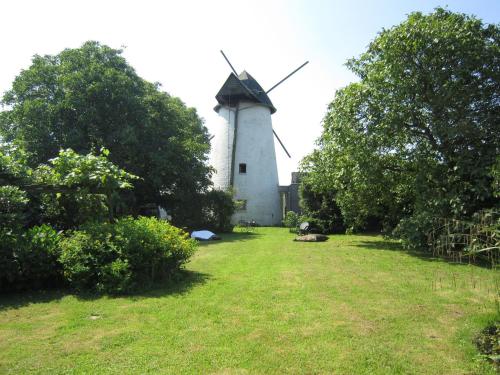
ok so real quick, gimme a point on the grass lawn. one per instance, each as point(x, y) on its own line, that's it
point(260, 303)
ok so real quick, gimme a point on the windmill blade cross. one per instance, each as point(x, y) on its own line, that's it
point(288, 76)
point(227, 60)
point(281, 143)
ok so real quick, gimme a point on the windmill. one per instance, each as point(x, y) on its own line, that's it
point(243, 152)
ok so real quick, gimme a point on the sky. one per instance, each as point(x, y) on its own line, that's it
point(177, 44)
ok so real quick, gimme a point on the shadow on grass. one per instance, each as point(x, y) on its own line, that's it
point(388, 245)
point(183, 282)
point(232, 237)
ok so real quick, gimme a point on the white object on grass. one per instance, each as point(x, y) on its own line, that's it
point(202, 235)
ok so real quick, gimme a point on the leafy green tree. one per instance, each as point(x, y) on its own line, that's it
point(418, 135)
point(13, 203)
point(320, 207)
point(15, 175)
point(13, 165)
point(84, 181)
point(218, 207)
point(89, 98)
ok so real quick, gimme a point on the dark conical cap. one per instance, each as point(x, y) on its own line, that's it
point(242, 88)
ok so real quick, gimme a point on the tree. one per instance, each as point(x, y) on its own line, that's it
point(321, 208)
point(89, 98)
point(218, 207)
point(84, 181)
point(416, 138)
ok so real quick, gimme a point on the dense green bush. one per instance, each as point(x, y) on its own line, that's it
point(9, 267)
point(18, 267)
point(80, 188)
point(13, 203)
point(320, 208)
point(38, 257)
point(121, 256)
point(28, 259)
point(214, 210)
point(217, 211)
point(291, 220)
point(488, 342)
point(413, 230)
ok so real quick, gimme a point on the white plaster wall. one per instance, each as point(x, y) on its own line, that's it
point(222, 146)
point(255, 147)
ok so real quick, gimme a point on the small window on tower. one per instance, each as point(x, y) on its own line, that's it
point(243, 168)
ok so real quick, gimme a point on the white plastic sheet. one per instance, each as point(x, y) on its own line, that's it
point(202, 234)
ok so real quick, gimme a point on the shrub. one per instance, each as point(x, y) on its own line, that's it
point(488, 343)
point(291, 220)
point(218, 209)
point(413, 230)
point(116, 277)
point(70, 210)
point(28, 259)
point(477, 239)
point(13, 203)
point(85, 186)
point(320, 208)
point(9, 267)
point(210, 210)
point(119, 257)
point(82, 255)
point(37, 257)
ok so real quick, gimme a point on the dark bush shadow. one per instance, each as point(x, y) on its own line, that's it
point(231, 237)
point(15, 300)
point(182, 283)
point(388, 245)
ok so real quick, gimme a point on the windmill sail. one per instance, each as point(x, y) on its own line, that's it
point(288, 76)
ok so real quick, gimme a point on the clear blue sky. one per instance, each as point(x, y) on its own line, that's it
point(177, 43)
point(340, 29)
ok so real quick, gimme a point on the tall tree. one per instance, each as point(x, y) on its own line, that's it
point(89, 98)
point(418, 135)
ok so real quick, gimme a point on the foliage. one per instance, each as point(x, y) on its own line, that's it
point(89, 98)
point(495, 174)
point(66, 192)
point(14, 173)
point(211, 209)
point(291, 220)
point(217, 210)
point(13, 164)
point(37, 257)
point(417, 136)
point(321, 208)
point(488, 342)
point(119, 257)
point(477, 239)
point(414, 229)
point(13, 203)
point(9, 267)
point(239, 204)
point(28, 259)
point(83, 186)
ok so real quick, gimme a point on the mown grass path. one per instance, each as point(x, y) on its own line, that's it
point(260, 303)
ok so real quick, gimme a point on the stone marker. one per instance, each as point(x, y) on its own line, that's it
point(312, 238)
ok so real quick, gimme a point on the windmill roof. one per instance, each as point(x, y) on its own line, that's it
point(242, 88)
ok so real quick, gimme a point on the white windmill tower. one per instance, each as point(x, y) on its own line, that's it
point(243, 148)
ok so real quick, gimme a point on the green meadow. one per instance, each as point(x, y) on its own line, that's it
point(260, 303)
